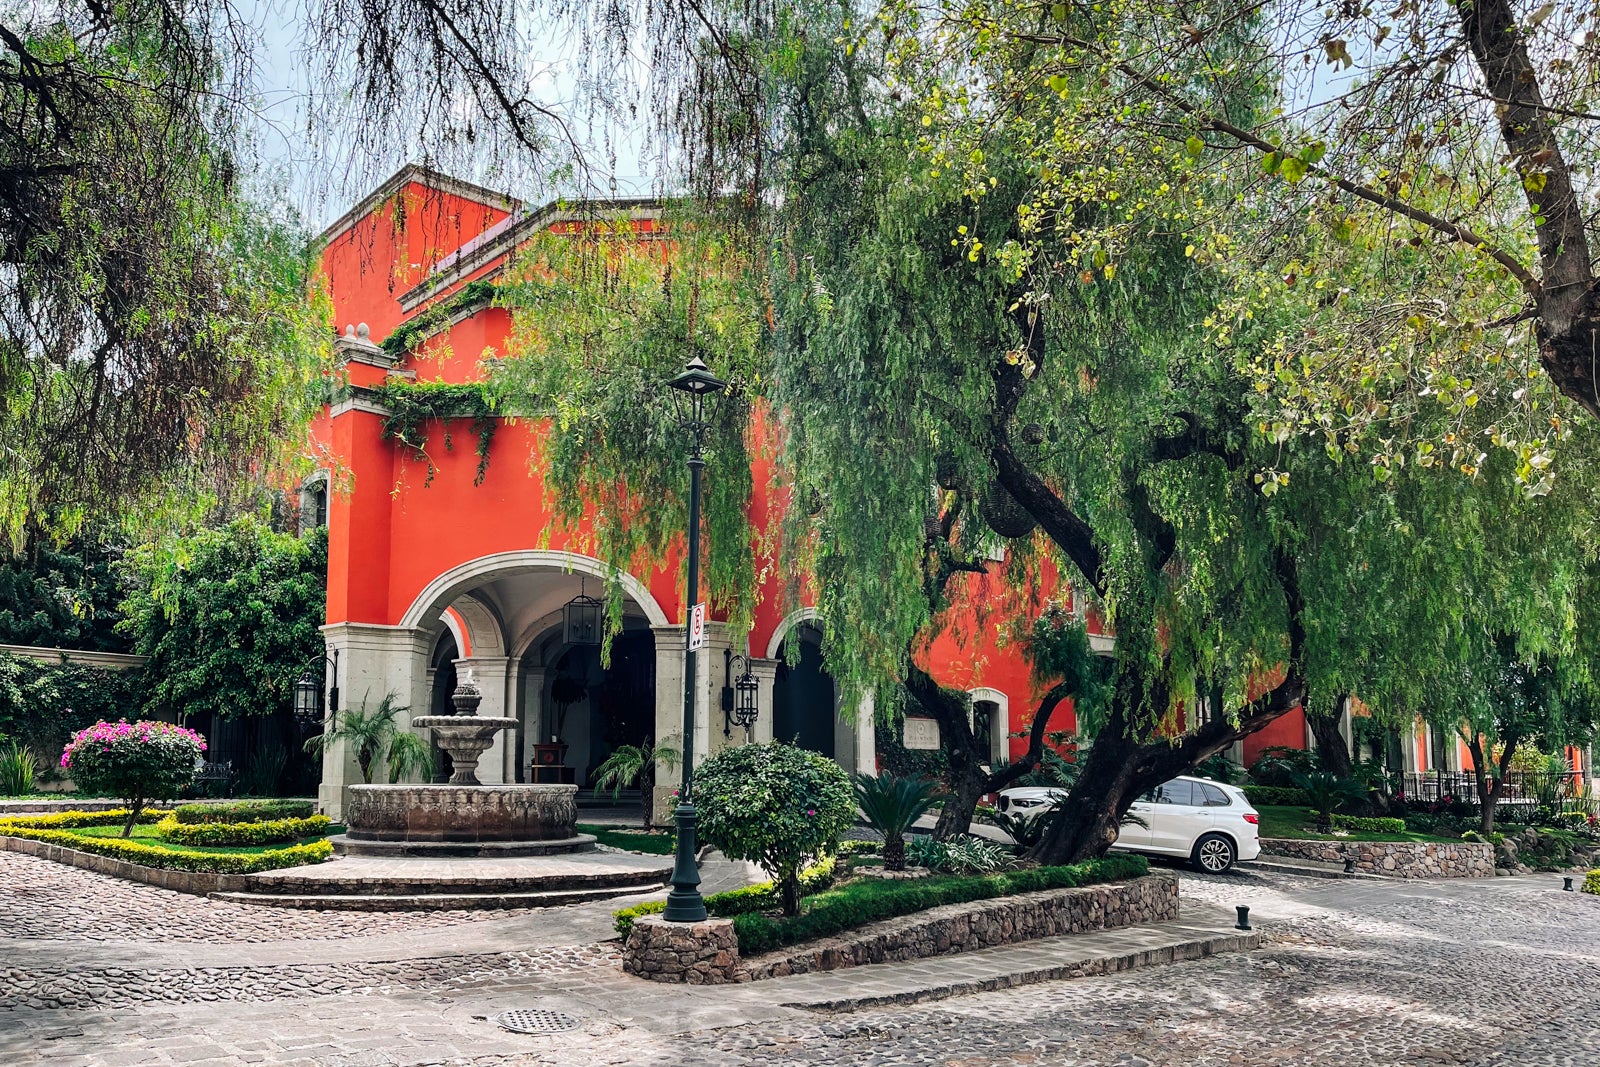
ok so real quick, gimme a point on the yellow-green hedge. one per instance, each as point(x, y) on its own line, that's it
point(65, 820)
point(1591, 882)
point(269, 832)
point(178, 860)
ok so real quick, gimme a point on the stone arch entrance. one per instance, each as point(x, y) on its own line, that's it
point(806, 700)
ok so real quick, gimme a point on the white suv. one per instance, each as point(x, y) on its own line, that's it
point(1209, 823)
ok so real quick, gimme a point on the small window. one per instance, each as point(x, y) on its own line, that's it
point(319, 504)
point(983, 716)
point(1214, 797)
point(1178, 792)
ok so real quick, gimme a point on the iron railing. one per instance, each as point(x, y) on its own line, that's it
point(1521, 787)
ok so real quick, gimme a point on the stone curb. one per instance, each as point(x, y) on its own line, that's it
point(1198, 948)
point(200, 883)
point(1393, 859)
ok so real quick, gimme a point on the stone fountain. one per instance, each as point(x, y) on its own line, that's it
point(463, 817)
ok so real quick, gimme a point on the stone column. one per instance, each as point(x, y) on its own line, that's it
point(492, 674)
point(766, 672)
point(532, 716)
point(374, 661)
point(867, 734)
point(669, 714)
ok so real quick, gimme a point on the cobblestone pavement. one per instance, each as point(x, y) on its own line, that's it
point(1502, 972)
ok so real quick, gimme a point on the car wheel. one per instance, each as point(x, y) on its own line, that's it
point(1213, 854)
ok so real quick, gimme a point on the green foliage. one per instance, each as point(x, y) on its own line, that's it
point(763, 896)
point(255, 832)
point(1219, 768)
point(413, 405)
point(1372, 825)
point(776, 805)
point(866, 901)
point(1276, 795)
point(68, 820)
point(137, 761)
point(63, 595)
point(409, 334)
point(896, 758)
point(1591, 883)
point(176, 859)
point(229, 617)
point(159, 348)
point(375, 735)
point(963, 854)
point(238, 811)
point(1277, 766)
point(636, 765)
point(43, 704)
point(1328, 793)
point(891, 805)
point(654, 844)
point(18, 767)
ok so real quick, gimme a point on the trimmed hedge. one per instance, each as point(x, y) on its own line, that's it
point(173, 860)
point(758, 897)
point(63, 820)
point(1591, 883)
point(1369, 825)
point(240, 811)
point(1276, 796)
point(865, 902)
point(270, 832)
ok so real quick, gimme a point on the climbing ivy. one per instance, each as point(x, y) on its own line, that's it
point(408, 335)
point(412, 405)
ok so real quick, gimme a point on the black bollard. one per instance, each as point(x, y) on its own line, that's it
point(1244, 917)
point(1566, 883)
point(1349, 865)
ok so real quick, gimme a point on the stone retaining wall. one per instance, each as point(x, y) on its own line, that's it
point(708, 954)
point(1394, 859)
point(197, 882)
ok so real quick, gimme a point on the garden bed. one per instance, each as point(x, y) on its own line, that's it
point(654, 843)
point(1297, 823)
point(710, 952)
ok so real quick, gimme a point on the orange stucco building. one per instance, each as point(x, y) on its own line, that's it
point(431, 576)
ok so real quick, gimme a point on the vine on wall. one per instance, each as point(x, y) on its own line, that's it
point(408, 335)
point(412, 405)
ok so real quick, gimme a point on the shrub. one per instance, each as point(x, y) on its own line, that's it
point(63, 820)
point(759, 897)
point(776, 805)
point(891, 805)
point(177, 860)
point(864, 902)
point(961, 855)
point(1274, 796)
point(1278, 766)
point(267, 832)
point(138, 761)
point(17, 769)
point(1591, 883)
point(245, 811)
point(1328, 793)
point(1369, 825)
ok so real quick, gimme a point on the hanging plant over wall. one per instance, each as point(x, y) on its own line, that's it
point(408, 335)
point(412, 405)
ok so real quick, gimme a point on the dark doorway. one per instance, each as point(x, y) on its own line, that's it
point(803, 695)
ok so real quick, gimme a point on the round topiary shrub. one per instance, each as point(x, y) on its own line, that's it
point(137, 761)
point(776, 805)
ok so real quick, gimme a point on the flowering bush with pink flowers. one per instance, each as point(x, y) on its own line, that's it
point(136, 761)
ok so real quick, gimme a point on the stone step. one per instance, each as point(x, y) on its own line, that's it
point(466, 883)
point(1305, 868)
point(427, 901)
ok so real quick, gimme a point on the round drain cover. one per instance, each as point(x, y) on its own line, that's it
point(534, 1021)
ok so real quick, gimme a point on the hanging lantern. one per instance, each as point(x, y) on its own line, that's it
point(583, 619)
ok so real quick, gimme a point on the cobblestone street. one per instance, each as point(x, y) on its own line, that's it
point(98, 971)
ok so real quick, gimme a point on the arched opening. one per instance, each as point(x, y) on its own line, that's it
point(442, 670)
point(805, 699)
point(572, 700)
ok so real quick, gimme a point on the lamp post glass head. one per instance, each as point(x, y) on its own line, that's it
point(693, 391)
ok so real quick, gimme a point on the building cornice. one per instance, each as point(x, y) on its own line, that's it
point(421, 175)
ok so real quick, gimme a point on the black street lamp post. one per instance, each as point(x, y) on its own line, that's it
point(696, 389)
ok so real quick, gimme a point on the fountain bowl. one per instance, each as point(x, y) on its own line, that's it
point(454, 820)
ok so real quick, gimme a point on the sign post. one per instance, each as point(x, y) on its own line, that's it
point(697, 628)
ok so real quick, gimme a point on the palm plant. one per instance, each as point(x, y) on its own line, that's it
point(1328, 793)
point(635, 765)
point(375, 733)
point(891, 805)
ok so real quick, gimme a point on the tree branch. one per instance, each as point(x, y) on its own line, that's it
point(1041, 720)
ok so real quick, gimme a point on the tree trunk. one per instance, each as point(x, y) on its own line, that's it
point(789, 886)
point(133, 816)
point(894, 853)
point(1089, 820)
point(1331, 745)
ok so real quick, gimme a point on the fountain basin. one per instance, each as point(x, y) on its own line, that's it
point(452, 820)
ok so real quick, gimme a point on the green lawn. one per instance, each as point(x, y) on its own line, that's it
point(1299, 823)
point(656, 843)
point(145, 834)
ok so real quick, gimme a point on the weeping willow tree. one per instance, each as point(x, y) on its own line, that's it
point(156, 342)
